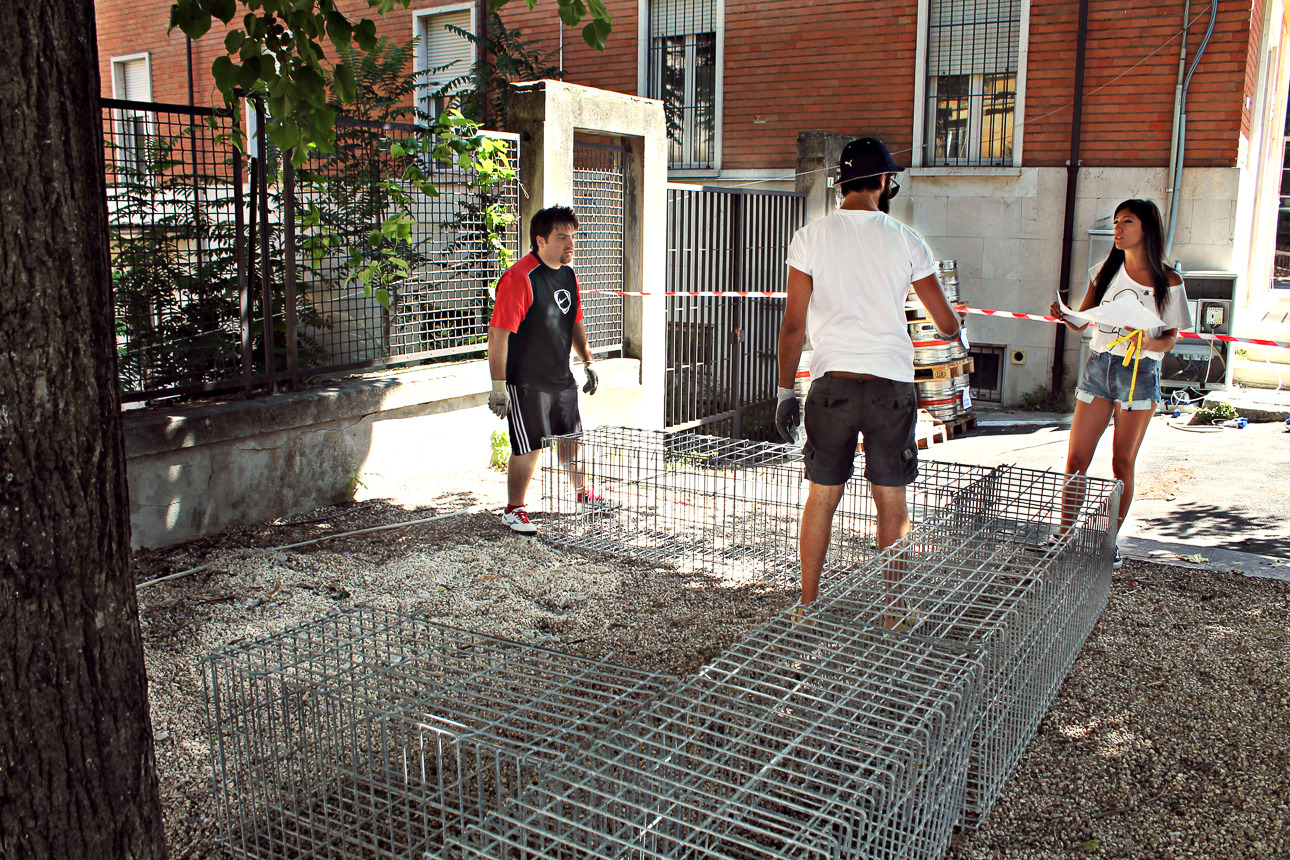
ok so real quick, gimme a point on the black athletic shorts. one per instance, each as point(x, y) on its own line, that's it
point(536, 414)
point(838, 411)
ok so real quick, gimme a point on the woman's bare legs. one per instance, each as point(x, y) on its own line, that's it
point(1087, 428)
point(1130, 429)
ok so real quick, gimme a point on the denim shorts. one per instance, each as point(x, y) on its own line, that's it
point(1108, 377)
point(839, 411)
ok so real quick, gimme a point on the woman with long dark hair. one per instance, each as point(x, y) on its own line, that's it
point(1109, 387)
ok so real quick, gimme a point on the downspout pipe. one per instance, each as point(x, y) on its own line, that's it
point(1178, 98)
point(1182, 131)
point(1072, 181)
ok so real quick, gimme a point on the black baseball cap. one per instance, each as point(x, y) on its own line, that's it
point(863, 157)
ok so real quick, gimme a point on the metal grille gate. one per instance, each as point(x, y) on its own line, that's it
point(598, 200)
point(216, 282)
point(721, 351)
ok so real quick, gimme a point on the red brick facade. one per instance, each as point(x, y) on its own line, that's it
point(849, 66)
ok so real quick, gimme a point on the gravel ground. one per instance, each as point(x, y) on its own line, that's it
point(1169, 738)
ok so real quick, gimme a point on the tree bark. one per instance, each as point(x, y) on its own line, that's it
point(77, 774)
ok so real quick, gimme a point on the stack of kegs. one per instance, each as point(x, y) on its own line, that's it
point(943, 398)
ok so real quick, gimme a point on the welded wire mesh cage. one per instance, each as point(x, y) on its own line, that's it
point(732, 504)
point(1012, 562)
point(866, 726)
point(367, 734)
point(822, 741)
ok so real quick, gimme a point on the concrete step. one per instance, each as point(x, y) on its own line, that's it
point(1260, 354)
point(1260, 374)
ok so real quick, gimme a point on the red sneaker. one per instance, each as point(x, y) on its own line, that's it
point(593, 502)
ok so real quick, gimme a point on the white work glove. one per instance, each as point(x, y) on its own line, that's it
point(593, 380)
point(788, 414)
point(499, 401)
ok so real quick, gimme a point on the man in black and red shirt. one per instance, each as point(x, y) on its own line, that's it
point(537, 318)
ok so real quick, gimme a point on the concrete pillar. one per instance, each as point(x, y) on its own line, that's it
point(817, 162)
point(548, 114)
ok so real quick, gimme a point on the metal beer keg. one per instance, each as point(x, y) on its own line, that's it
point(939, 397)
point(947, 271)
point(928, 346)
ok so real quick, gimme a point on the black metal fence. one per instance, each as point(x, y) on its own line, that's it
point(235, 272)
point(722, 351)
point(598, 187)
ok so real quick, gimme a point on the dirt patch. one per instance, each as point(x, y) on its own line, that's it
point(1170, 738)
point(1166, 486)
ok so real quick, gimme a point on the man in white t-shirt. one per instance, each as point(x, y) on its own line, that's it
point(849, 276)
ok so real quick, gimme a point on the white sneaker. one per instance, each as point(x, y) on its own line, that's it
point(518, 520)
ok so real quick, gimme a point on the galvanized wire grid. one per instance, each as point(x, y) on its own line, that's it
point(721, 504)
point(372, 735)
point(598, 188)
point(173, 191)
point(439, 305)
point(988, 564)
point(823, 742)
point(895, 708)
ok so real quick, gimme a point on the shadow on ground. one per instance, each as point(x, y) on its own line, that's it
point(1220, 527)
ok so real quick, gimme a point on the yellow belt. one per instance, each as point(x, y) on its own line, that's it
point(1134, 351)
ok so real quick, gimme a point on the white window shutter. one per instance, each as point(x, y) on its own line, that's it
point(441, 46)
point(973, 36)
point(133, 82)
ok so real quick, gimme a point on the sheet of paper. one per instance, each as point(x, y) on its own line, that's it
point(1124, 312)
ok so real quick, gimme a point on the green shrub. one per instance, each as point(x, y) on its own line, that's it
point(1044, 400)
point(1213, 413)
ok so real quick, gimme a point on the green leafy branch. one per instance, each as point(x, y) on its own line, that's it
point(382, 259)
point(278, 51)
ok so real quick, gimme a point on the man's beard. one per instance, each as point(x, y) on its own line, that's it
point(884, 202)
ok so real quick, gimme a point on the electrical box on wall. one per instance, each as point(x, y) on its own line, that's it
point(1100, 243)
point(1206, 284)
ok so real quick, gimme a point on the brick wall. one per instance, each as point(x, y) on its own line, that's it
point(1251, 64)
point(1128, 89)
point(614, 70)
point(133, 26)
point(848, 66)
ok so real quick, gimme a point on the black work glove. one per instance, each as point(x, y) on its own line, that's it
point(788, 414)
point(593, 380)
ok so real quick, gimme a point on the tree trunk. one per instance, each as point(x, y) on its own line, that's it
point(77, 774)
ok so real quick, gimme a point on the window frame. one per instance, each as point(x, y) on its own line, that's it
point(643, 40)
point(421, 61)
point(922, 122)
point(122, 117)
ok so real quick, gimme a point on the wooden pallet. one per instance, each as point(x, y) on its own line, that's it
point(949, 370)
point(960, 423)
point(929, 430)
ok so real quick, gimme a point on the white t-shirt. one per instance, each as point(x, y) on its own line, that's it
point(1176, 313)
point(861, 265)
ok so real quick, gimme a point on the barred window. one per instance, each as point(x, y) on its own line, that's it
point(683, 74)
point(972, 49)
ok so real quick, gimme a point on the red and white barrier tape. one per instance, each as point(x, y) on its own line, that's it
point(1226, 338)
point(766, 294)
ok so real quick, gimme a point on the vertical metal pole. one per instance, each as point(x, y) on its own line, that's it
point(289, 254)
point(243, 278)
point(193, 125)
point(1072, 178)
point(266, 289)
point(737, 244)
